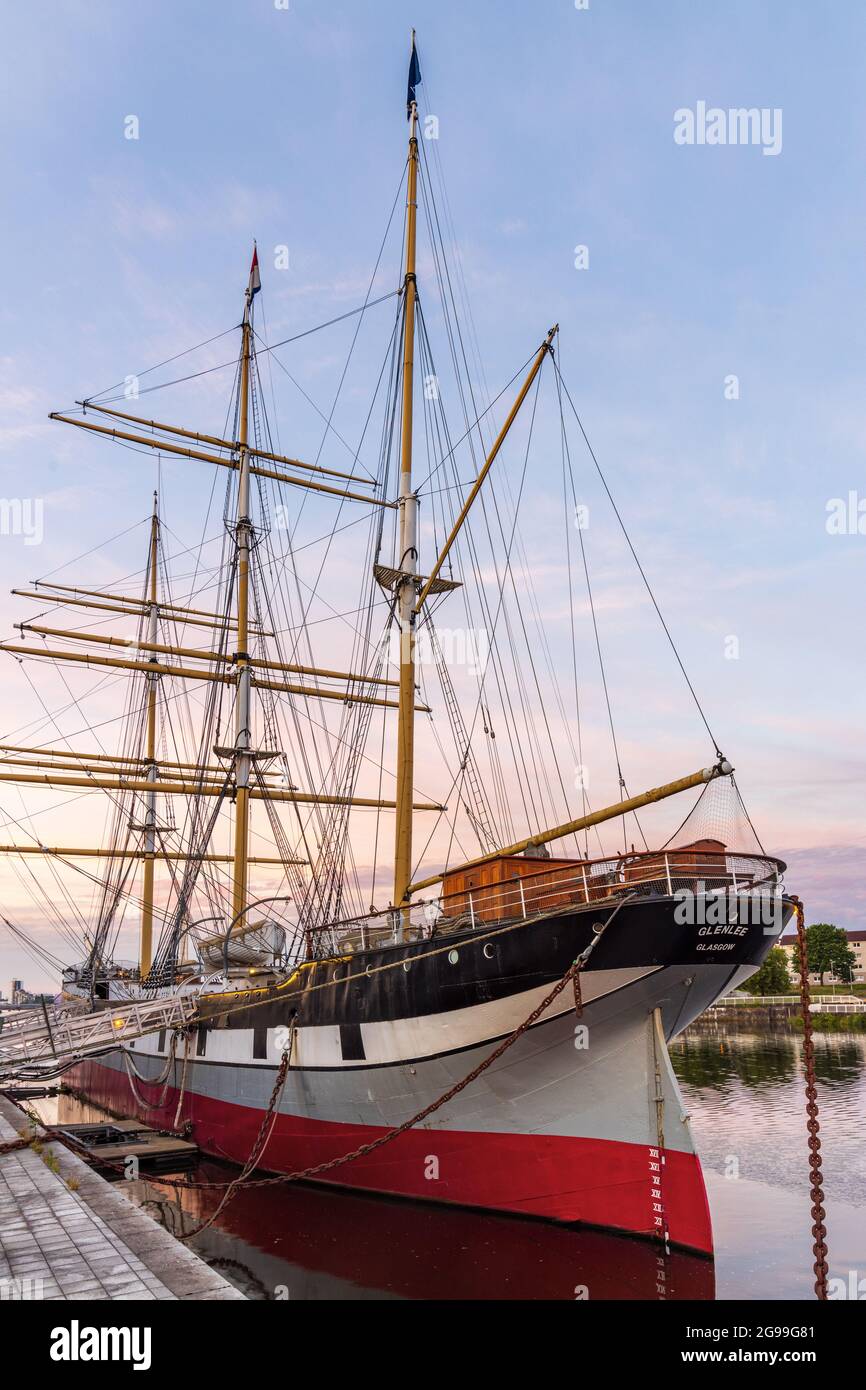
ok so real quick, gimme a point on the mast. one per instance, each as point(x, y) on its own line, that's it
point(243, 539)
point(151, 770)
point(406, 587)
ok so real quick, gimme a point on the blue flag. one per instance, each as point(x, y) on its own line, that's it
point(414, 79)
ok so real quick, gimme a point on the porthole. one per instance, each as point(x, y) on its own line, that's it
point(335, 977)
point(453, 957)
point(488, 950)
point(407, 966)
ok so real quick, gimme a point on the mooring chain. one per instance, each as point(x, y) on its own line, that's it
point(819, 1230)
point(365, 1149)
point(258, 1148)
point(571, 976)
point(9, 1146)
point(261, 1142)
point(578, 998)
point(598, 932)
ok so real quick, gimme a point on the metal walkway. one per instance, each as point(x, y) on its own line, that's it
point(43, 1046)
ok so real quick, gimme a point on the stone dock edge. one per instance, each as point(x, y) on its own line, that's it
point(85, 1242)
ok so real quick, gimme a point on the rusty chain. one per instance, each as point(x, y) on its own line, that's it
point(230, 1189)
point(9, 1146)
point(379, 1142)
point(816, 1179)
point(572, 975)
point(578, 997)
point(258, 1147)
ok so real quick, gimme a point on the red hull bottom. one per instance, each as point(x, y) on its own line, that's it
point(594, 1182)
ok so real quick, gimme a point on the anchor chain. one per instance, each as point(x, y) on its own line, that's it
point(578, 997)
point(598, 932)
point(262, 1137)
point(816, 1178)
point(9, 1146)
point(365, 1149)
point(571, 976)
point(230, 1188)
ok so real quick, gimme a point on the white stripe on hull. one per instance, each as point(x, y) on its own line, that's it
point(544, 1084)
point(409, 1039)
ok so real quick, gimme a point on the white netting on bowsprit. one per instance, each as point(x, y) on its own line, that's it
point(719, 814)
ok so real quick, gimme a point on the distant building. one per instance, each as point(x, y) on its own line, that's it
point(857, 943)
point(19, 995)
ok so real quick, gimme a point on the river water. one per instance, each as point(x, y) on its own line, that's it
point(744, 1093)
point(746, 1099)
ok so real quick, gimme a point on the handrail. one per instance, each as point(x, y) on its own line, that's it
point(758, 1001)
point(547, 882)
point(50, 1045)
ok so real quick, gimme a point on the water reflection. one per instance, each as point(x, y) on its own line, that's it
point(318, 1243)
point(744, 1093)
point(716, 1063)
point(315, 1243)
point(763, 1060)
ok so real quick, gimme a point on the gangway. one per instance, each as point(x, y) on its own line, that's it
point(47, 1045)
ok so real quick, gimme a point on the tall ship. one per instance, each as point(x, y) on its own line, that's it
point(386, 939)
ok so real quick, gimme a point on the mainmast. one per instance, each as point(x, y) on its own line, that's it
point(407, 565)
point(243, 541)
point(152, 772)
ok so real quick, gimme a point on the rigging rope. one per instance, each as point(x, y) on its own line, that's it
point(207, 371)
point(317, 1170)
point(640, 568)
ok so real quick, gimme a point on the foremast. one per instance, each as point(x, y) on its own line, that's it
point(406, 588)
point(151, 769)
point(243, 542)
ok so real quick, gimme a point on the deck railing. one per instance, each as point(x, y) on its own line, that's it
point(546, 888)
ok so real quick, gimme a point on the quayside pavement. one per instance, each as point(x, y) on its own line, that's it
point(85, 1240)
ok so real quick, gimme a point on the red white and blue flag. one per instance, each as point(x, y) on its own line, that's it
point(255, 278)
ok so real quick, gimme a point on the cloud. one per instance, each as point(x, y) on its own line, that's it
point(134, 216)
point(12, 435)
point(15, 399)
point(831, 880)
